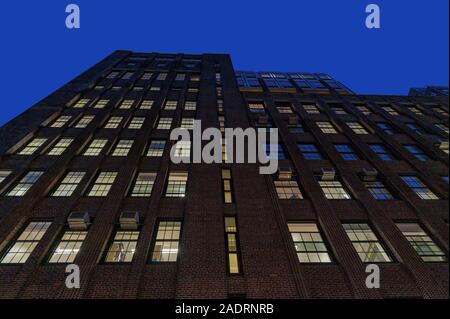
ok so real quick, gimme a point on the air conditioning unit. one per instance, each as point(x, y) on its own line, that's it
point(263, 119)
point(129, 220)
point(328, 174)
point(285, 173)
point(293, 120)
point(79, 220)
point(369, 174)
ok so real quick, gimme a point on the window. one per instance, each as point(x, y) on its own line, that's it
point(366, 243)
point(68, 247)
point(442, 127)
point(103, 184)
point(220, 107)
point(382, 152)
point(68, 184)
point(112, 75)
point(33, 146)
point(288, 189)
point(126, 104)
point(417, 152)
point(25, 183)
point(61, 146)
point(25, 244)
point(123, 247)
point(4, 175)
point(95, 148)
point(227, 187)
point(101, 103)
point(170, 105)
point(338, 111)
point(256, 107)
point(364, 110)
point(136, 123)
point(419, 187)
point(415, 110)
point(146, 76)
point(357, 128)
point(421, 242)
point(187, 123)
point(444, 178)
point(334, 190)
point(167, 242)
point(123, 148)
point(183, 149)
point(155, 88)
point(180, 77)
point(164, 123)
point(416, 129)
point(311, 109)
point(114, 122)
point(61, 121)
point(347, 152)
point(190, 105)
point(378, 190)
point(310, 152)
point(146, 104)
point(440, 111)
point(156, 148)
point(143, 185)
point(232, 246)
point(296, 129)
point(326, 127)
point(127, 75)
point(84, 121)
point(81, 103)
point(176, 185)
point(387, 129)
point(285, 109)
point(161, 76)
point(309, 244)
point(274, 151)
point(390, 110)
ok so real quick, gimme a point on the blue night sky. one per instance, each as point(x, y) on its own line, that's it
point(411, 49)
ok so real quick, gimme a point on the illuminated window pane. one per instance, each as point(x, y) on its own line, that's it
point(103, 184)
point(190, 106)
point(123, 247)
point(114, 122)
point(288, 190)
point(143, 185)
point(176, 185)
point(81, 103)
point(309, 244)
point(95, 148)
point(378, 190)
point(101, 103)
point(84, 121)
point(136, 123)
point(123, 148)
point(419, 187)
point(311, 109)
point(68, 247)
point(69, 184)
point(32, 146)
point(25, 183)
point(4, 175)
point(146, 104)
point(170, 105)
point(166, 245)
point(347, 152)
point(232, 245)
point(310, 152)
point(156, 148)
point(326, 127)
point(357, 128)
point(164, 123)
point(417, 152)
point(382, 152)
point(334, 190)
point(61, 121)
point(126, 104)
point(61, 146)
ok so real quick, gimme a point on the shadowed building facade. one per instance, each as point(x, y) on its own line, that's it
point(86, 178)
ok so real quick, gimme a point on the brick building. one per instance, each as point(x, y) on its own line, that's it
point(86, 178)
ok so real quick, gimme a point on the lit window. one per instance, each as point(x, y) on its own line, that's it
point(176, 185)
point(442, 127)
point(167, 242)
point(326, 127)
point(347, 152)
point(183, 149)
point(417, 152)
point(156, 148)
point(190, 105)
point(25, 183)
point(114, 122)
point(382, 152)
point(419, 187)
point(61, 121)
point(127, 75)
point(311, 109)
point(170, 105)
point(387, 129)
point(143, 185)
point(81, 103)
point(220, 107)
point(378, 190)
point(155, 88)
point(187, 123)
point(33, 146)
point(416, 129)
point(101, 103)
point(366, 243)
point(180, 77)
point(274, 151)
point(363, 109)
point(425, 247)
point(146, 76)
point(126, 104)
point(164, 123)
point(146, 104)
point(288, 189)
point(103, 184)
point(95, 148)
point(232, 245)
point(310, 152)
point(123, 247)
point(84, 121)
point(285, 109)
point(309, 244)
point(68, 247)
point(357, 128)
point(61, 146)
point(256, 107)
point(415, 110)
point(25, 244)
point(4, 175)
point(136, 123)
point(334, 190)
point(112, 75)
point(339, 111)
point(123, 148)
point(227, 187)
point(68, 184)
point(161, 76)
point(389, 110)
